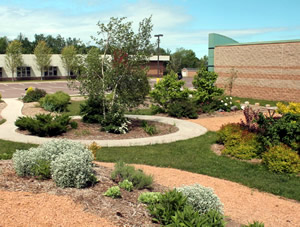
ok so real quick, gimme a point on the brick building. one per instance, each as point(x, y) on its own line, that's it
point(29, 70)
point(265, 70)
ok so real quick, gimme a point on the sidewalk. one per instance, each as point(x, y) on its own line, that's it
point(186, 130)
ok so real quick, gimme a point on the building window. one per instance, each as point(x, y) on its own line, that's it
point(0, 71)
point(52, 71)
point(23, 71)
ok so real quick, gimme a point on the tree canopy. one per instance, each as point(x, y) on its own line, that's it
point(13, 58)
point(42, 56)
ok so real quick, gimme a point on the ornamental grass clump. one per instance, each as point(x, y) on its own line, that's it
point(70, 163)
point(201, 198)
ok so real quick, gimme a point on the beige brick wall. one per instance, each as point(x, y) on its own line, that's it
point(265, 71)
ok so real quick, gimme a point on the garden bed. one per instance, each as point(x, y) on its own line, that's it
point(86, 131)
point(125, 211)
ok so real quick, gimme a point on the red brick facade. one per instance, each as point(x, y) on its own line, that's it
point(268, 71)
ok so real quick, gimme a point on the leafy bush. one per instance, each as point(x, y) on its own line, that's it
point(115, 122)
point(56, 102)
point(44, 124)
point(206, 91)
point(183, 108)
point(149, 197)
point(254, 224)
point(273, 131)
point(126, 184)
point(70, 163)
point(239, 143)
point(168, 90)
point(292, 107)
point(34, 95)
point(137, 177)
point(282, 159)
point(92, 110)
point(189, 217)
point(201, 198)
point(42, 169)
point(149, 129)
point(169, 203)
point(113, 192)
point(73, 169)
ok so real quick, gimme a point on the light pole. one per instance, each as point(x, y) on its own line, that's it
point(158, 40)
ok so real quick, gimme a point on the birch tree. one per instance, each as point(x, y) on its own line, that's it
point(42, 57)
point(13, 58)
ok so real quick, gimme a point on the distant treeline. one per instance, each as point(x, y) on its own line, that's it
point(55, 43)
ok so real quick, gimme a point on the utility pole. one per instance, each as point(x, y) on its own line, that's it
point(158, 41)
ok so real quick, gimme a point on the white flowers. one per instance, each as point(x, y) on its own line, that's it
point(225, 104)
point(222, 101)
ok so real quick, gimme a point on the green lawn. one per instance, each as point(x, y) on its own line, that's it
point(260, 101)
point(192, 155)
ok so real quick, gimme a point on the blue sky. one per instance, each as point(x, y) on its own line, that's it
point(184, 23)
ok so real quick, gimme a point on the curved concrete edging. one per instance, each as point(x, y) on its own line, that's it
point(186, 130)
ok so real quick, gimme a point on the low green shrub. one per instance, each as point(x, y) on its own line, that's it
point(169, 203)
point(126, 184)
point(149, 129)
point(113, 192)
point(44, 124)
point(34, 95)
point(226, 103)
point(74, 124)
point(56, 102)
point(183, 108)
point(190, 218)
point(115, 122)
point(137, 177)
point(239, 142)
point(92, 110)
point(201, 198)
point(42, 169)
point(149, 197)
point(281, 159)
point(254, 224)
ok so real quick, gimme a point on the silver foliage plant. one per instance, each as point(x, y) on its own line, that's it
point(202, 199)
point(71, 162)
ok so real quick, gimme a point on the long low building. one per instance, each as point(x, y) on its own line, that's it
point(265, 70)
point(30, 71)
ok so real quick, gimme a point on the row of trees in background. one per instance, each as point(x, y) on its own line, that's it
point(43, 53)
point(55, 43)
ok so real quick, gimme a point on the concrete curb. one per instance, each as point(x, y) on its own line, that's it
point(186, 130)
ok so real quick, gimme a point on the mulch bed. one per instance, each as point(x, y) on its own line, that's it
point(125, 211)
point(87, 131)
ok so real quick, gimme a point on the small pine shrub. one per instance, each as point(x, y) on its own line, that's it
point(73, 169)
point(169, 203)
point(137, 177)
point(201, 198)
point(74, 124)
point(281, 159)
point(44, 124)
point(149, 197)
point(56, 102)
point(34, 95)
point(183, 108)
point(126, 184)
point(113, 192)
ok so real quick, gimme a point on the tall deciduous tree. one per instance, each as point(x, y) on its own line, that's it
point(69, 58)
point(118, 79)
point(3, 44)
point(13, 58)
point(42, 56)
point(182, 58)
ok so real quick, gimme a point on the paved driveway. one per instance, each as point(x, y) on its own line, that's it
point(17, 89)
